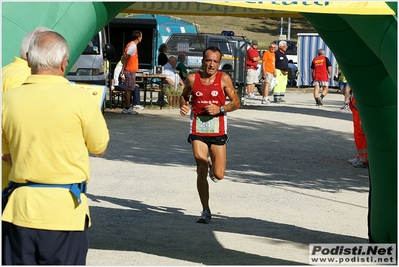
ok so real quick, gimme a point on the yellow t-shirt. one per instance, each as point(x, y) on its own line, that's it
point(13, 75)
point(48, 128)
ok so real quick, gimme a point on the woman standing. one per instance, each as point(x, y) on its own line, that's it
point(162, 57)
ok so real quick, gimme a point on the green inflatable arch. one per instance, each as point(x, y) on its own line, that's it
point(365, 47)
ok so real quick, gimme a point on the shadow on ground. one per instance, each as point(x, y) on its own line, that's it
point(168, 232)
point(260, 151)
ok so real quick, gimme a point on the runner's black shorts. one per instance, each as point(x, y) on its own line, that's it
point(209, 140)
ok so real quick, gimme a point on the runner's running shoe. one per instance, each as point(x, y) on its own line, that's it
point(205, 216)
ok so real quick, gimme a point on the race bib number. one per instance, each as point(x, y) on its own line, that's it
point(207, 124)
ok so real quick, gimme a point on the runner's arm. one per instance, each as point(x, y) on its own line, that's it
point(231, 92)
point(185, 95)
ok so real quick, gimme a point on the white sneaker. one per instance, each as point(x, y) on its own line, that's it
point(138, 107)
point(345, 106)
point(359, 164)
point(266, 101)
point(129, 111)
point(351, 161)
point(251, 96)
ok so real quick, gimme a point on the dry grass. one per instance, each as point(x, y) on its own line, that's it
point(265, 30)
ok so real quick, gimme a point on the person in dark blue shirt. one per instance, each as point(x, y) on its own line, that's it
point(162, 57)
point(281, 72)
point(294, 70)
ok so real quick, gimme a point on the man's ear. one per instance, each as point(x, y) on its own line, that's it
point(64, 64)
point(27, 57)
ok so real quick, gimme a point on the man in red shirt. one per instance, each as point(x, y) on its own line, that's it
point(252, 66)
point(321, 72)
point(208, 121)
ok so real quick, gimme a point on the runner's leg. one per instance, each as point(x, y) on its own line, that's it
point(218, 157)
point(200, 151)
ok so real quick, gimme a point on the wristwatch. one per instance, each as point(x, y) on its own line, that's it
point(221, 109)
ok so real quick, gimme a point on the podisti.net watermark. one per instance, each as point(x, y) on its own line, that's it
point(352, 254)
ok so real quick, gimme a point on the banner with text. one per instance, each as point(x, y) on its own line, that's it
point(260, 8)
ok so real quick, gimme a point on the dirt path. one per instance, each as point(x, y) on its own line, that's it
point(287, 184)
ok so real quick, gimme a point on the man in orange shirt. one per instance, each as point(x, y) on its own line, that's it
point(130, 63)
point(268, 70)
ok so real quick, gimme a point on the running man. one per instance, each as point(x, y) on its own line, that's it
point(208, 121)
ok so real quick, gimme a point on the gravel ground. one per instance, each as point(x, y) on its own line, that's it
point(287, 184)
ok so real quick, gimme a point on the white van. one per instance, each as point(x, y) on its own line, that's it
point(92, 66)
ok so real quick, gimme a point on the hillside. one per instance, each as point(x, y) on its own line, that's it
point(262, 29)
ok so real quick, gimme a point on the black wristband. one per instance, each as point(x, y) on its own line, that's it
point(185, 97)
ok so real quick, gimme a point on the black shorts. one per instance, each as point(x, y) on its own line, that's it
point(209, 140)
